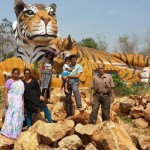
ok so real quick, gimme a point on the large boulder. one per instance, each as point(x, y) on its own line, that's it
point(6, 143)
point(43, 147)
point(126, 104)
point(137, 112)
point(144, 142)
point(27, 141)
point(81, 117)
point(52, 132)
point(147, 115)
point(140, 123)
point(87, 130)
point(90, 146)
point(111, 136)
point(72, 142)
point(59, 112)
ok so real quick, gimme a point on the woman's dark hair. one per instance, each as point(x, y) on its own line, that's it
point(67, 58)
point(15, 69)
point(27, 69)
point(73, 56)
point(48, 53)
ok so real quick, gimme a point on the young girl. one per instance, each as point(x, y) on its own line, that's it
point(46, 73)
point(66, 71)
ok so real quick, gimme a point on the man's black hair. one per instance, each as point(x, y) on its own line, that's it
point(73, 56)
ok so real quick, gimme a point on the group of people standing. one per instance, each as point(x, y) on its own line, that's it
point(28, 94)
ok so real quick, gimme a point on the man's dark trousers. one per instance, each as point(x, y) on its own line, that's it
point(104, 100)
point(72, 87)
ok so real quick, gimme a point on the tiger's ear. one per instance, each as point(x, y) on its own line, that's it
point(69, 43)
point(19, 6)
point(53, 6)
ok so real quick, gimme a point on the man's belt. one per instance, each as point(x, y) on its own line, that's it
point(101, 93)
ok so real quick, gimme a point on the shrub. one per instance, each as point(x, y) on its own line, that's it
point(1, 96)
point(35, 67)
point(141, 88)
point(121, 88)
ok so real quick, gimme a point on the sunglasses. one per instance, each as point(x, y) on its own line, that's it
point(27, 73)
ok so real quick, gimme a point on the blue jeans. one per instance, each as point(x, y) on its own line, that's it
point(72, 87)
point(46, 112)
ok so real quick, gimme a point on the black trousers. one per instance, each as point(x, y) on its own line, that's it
point(104, 100)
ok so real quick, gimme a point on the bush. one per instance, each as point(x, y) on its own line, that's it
point(121, 88)
point(141, 88)
point(1, 96)
point(35, 67)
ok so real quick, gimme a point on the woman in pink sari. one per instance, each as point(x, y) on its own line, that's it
point(14, 106)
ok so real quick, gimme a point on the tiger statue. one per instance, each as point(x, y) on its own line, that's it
point(36, 24)
point(127, 66)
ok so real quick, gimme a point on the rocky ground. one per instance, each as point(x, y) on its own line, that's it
point(128, 129)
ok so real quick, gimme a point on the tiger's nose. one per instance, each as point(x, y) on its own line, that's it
point(46, 20)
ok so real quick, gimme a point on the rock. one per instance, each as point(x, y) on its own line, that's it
point(147, 115)
point(137, 112)
point(148, 106)
point(52, 132)
point(115, 107)
point(59, 112)
point(85, 129)
point(111, 136)
point(50, 107)
point(140, 123)
point(81, 117)
point(72, 142)
point(114, 117)
point(39, 116)
point(90, 146)
point(34, 127)
point(134, 137)
point(27, 141)
point(6, 143)
point(83, 94)
point(144, 142)
point(55, 96)
point(126, 105)
point(43, 147)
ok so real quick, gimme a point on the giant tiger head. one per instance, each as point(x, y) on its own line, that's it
point(35, 23)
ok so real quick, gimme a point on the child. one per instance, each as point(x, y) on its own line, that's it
point(66, 71)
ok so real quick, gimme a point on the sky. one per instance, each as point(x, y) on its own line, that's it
point(89, 18)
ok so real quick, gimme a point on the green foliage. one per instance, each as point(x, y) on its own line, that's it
point(141, 88)
point(1, 96)
point(125, 119)
point(35, 67)
point(98, 44)
point(88, 42)
point(121, 88)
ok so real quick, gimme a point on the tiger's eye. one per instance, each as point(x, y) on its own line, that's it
point(29, 12)
point(51, 13)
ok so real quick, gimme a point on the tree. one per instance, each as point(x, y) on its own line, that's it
point(98, 44)
point(146, 41)
point(88, 42)
point(127, 45)
point(7, 41)
point(101, 43)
